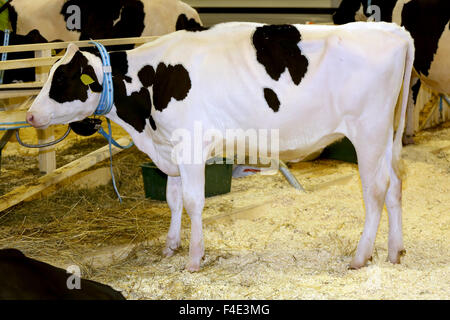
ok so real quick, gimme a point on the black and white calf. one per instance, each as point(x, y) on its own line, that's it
point(314, 84)
point(428, 23)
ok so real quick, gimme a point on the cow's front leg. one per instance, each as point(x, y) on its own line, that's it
point(174, 197)
point(193, 184)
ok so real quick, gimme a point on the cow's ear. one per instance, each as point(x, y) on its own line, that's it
point(72, 47)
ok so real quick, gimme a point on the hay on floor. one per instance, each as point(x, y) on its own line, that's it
point(264, 240)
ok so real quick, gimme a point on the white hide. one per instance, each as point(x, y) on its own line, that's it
point(354, 79)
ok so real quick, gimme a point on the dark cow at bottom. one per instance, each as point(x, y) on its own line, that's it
point(23, 278)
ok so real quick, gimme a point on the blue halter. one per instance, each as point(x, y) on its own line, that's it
point(105, 105)
point(107, 97)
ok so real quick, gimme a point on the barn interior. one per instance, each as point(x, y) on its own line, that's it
point(264, 239)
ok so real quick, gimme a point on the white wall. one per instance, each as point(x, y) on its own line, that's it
point(271, 18)
point(265, 3)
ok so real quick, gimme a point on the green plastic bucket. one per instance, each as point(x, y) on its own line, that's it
point(217, 179)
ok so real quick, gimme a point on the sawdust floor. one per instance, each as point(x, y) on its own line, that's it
point(264, 240)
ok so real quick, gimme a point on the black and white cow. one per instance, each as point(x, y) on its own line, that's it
point(312, 84)
point(56, 20)
point(428, 23)
point(23, 278)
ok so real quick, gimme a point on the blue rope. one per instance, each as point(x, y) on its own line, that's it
point(13, 128)
point(111, 161)
point(114, 142)
point(13, 123)
point(445, 99)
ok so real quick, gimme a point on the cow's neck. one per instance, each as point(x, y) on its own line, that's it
point(135, 125)
point(142, 140)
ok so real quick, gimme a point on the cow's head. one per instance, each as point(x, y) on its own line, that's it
point(72, 91)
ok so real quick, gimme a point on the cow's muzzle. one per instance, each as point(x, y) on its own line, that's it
point(36, 120)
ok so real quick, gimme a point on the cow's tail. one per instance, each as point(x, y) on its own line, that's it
point(397, 164)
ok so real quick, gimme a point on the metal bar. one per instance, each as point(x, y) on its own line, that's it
point(290, 177)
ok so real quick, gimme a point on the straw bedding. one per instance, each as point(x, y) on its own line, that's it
point(264, 240)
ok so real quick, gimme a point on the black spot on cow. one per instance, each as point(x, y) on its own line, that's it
point(170, 82)
point(66, 85)
point(24, 278)
point(277, 50)
point(272, 99)
point(426, 21)
point(119, 64)
point(147, 76)
point(134, 109)
point(346, 11)
point(131, 23)
point(183, 23)
point(104, 19)
point(152, 123)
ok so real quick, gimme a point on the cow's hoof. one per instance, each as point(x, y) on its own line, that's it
point(407, 140)
point(396, 257)
point(193, 266)
point(168, 252)
point(172, 245)
point(356, 264)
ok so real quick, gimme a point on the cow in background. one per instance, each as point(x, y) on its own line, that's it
point(428, 23)
point(56, 20)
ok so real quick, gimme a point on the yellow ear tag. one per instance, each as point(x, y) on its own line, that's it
point(87, 80)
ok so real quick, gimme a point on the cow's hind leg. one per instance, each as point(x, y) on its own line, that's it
point(374, 173)
point(174, 197)
point(193, 185)
point(394, 207)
